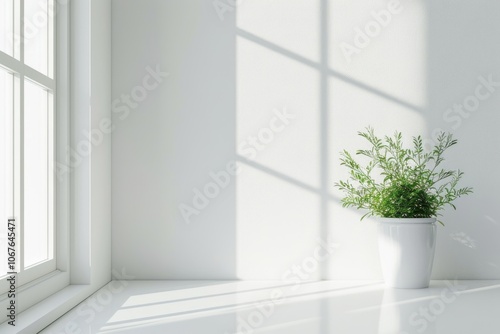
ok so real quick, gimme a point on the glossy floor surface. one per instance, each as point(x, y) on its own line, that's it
point(225, 307)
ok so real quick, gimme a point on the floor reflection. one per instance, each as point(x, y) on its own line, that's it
point(324, 307)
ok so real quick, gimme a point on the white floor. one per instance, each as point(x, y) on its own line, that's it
point(224, 307)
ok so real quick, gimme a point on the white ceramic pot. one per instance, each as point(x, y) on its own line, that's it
point(406, 247)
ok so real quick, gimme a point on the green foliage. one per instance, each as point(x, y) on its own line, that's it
point(398, 182)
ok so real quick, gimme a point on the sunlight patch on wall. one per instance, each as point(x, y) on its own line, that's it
point(357, 255)
point(277, 225)
point(378, 78)
point(292, 25)
point(382, 44)
point(270, 84)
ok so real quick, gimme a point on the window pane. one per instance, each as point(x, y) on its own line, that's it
point(6, 162)
point(6, 26)
point(36, 178)
point(36, 28)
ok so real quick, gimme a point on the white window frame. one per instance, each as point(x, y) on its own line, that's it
point(83, 223)
point(42, 280)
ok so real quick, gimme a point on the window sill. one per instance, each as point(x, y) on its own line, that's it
point(42, 314)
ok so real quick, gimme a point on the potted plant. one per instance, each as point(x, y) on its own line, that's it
point(406, 188)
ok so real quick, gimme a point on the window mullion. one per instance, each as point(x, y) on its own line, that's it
point(21, 31)
point(18, 167)
point(51, 38)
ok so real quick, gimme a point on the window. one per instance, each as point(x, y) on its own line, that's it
point(27, 133)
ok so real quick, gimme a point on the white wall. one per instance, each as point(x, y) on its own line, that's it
point(232, 72)
point(167, 144)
